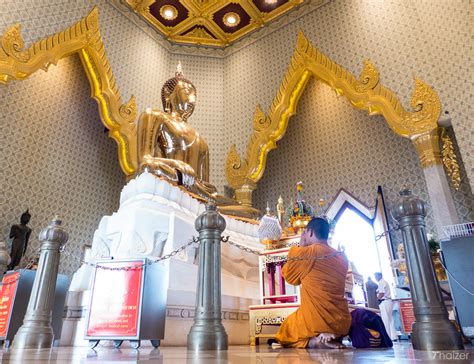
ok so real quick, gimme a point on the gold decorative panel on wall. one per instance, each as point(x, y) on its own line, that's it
point(216, 23)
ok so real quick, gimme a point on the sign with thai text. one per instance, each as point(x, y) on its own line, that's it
point(407, 315)
point(7, 297)
point(116, 299)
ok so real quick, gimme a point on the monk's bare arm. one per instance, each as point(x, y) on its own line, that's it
point(293, 269)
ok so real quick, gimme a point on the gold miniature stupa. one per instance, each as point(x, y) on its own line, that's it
point(299, 212)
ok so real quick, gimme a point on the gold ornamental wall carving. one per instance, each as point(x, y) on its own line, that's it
point(84, 39)
point(365, 92)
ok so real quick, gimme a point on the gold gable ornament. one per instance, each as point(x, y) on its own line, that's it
point(365, 92)
point(84, 39)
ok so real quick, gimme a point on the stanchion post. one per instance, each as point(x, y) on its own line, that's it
point(207, 332)
point(36, 331)
point(432, 329)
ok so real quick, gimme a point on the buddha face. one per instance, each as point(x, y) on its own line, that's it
point(182, 100)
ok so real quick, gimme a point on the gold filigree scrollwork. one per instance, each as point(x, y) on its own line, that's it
point(84, 39)
point(450, 161)
point(369, 77)
point(261, 121)
point(12, 45)
point(425, 101)
point(234, 167)
point(365, 93)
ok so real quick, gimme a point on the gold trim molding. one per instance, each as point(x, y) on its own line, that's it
point(84, 39)
point(365, 92)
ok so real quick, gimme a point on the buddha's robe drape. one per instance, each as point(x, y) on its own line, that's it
point(324, 308)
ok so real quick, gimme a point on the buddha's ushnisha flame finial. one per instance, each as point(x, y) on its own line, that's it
point(179, 69)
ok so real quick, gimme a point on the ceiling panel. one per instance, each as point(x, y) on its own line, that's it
point(210, 22)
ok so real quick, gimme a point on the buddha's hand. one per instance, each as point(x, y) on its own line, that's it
point(159, 167)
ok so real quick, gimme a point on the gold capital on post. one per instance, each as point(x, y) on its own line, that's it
point(428, 147)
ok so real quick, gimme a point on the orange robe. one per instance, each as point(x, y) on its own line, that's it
point(324, 308)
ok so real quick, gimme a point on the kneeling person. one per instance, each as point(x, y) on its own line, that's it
point(323, 318)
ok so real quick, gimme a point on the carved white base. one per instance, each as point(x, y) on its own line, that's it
point(155, 218)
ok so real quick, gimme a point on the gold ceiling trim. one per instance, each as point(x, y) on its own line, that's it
point(201, 14)
point(84, 39)
point(364, 93)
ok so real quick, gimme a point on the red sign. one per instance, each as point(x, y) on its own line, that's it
point(116, 298)
point(7, 296)
point(407, 315)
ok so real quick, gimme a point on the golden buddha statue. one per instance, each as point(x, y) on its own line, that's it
point(172, 149)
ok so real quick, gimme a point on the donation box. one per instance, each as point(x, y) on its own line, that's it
point(128, 302)
point(15, 293)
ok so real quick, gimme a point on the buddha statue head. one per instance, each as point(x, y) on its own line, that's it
point(178, 95)
point(25, 217)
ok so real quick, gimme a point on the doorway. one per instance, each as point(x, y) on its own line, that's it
point(355, 235)
point(355, 229)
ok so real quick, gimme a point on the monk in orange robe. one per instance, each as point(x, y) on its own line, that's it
point(323, 318)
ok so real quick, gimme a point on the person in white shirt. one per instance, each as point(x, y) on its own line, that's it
point(386, 306)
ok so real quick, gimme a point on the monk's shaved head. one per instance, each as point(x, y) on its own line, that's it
point(318, 227)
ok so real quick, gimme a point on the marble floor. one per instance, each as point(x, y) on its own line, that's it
point(400, 353)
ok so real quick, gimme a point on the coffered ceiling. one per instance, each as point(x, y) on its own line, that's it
point(216, 23)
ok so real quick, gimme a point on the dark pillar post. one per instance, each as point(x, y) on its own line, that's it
point(36, 331)
point(432, 329)
point(207, 332)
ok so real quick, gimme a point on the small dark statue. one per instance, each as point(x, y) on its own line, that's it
point(20, 234)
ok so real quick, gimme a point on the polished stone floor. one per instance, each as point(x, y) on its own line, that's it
point(401, 353)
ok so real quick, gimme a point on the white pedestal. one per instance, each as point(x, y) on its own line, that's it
point(155, 218)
